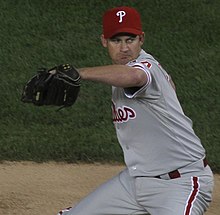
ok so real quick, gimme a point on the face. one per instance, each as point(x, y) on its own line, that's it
point(123, 48)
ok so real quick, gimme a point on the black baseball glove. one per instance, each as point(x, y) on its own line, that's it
point(58, 86)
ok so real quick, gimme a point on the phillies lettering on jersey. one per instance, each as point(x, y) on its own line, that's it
point(122, 114)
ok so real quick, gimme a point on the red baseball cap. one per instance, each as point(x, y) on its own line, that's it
point(121, 20)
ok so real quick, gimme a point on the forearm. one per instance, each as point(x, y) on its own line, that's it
point(115, 75)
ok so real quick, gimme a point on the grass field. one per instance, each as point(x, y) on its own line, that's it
point(182, 35)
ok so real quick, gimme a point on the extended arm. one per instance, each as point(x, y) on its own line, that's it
point(115, 75)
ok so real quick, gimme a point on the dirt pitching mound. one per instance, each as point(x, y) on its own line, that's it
point(31, 188)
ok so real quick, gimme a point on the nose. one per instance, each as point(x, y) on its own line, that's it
point(124, 46)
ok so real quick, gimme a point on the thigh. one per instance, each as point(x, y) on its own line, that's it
point(188, 195)
point(203, 194)
point(116, 196)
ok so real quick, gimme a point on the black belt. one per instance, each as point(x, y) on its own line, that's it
point(176, 173)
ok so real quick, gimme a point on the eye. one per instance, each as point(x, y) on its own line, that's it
point(115, 40)
point(130, 40)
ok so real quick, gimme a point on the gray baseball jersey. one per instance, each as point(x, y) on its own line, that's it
point(156, 138)
point(153, 131)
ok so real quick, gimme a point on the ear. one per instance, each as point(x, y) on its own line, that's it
point(104, 41)
point(142, 36)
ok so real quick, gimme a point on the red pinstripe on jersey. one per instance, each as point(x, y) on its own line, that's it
point(193, 195)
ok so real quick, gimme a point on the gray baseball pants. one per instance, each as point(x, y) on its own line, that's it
point(189, 194)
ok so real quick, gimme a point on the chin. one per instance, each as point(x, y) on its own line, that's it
point(122, 61)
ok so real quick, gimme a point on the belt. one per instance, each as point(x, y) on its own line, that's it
point(176, 174)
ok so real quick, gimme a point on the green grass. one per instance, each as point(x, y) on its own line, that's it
point(182, 35)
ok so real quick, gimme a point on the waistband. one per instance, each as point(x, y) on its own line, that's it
point(178, 172)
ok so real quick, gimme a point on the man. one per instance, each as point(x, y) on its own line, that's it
point(167, 172)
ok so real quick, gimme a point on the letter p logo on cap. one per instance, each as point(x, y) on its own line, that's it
point(121, 14)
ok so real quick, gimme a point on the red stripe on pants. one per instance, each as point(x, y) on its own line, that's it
point(192, 197)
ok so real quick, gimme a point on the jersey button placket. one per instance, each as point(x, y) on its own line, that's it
point(133, 168)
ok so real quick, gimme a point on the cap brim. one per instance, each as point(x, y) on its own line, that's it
point(123, 30)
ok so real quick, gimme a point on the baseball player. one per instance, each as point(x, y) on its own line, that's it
point(166, 168)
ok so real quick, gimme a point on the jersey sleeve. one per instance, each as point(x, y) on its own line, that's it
point(131, 92)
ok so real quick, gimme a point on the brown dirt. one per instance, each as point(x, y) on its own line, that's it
point(30, 188)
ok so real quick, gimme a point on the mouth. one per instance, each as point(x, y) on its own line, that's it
point(125, 56)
